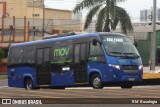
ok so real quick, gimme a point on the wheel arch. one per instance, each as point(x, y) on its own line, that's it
point(93, 72)
point(25, 77)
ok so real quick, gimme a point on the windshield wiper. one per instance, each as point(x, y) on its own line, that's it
point(116, 52)
point(134, 54)
point(126, 54)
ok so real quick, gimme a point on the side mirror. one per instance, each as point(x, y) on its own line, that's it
point(135, 43)
point(95, 41)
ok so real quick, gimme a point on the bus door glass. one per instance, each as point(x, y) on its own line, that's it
point(80, 67)
point(43, 66)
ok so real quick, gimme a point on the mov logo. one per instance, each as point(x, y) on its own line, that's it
point(6, 101)
point(61, 52)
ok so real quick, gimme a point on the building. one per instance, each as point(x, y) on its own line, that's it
point(33, 10)
point(146, 15)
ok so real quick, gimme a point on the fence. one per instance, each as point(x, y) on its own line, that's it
point(24, 29)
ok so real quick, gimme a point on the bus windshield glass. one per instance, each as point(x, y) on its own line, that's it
point(119, 46)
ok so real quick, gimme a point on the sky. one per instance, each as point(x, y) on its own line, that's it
point(133, 7)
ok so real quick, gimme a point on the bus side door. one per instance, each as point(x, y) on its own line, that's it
point(43, 66)
point(80, 65)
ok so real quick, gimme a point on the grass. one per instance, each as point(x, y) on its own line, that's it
point(2, 77)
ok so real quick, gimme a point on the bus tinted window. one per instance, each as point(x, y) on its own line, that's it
point(28, 56)
point(76, 57)
point(46, 54)
point(96, 53)
point(17, 54)
point(39, 56)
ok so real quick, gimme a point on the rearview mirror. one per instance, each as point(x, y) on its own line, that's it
point(95, 41)
point(135, 43)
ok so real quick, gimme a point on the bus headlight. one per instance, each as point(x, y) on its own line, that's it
point(140, 67)
point(115, 66)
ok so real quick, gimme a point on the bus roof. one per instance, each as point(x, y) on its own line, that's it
point(66, 37)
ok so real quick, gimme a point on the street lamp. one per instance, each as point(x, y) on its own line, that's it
point(33, 20)
point(153, 39)
point(43, 23)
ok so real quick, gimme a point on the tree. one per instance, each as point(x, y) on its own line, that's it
point(1, 55)
point(109, 15)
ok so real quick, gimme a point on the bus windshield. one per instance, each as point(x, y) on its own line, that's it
point(119, 46)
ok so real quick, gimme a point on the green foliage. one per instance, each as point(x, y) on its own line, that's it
point(1, 55)
point(90, 15)
point(109, 15)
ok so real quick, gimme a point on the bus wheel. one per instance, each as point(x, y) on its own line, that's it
point(28, 84)
point(96, 82)
point(129, 86)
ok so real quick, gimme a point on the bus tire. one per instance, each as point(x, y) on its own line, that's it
point(96, 82)
point(28, 84)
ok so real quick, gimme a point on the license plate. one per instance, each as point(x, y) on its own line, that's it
point(131, 79)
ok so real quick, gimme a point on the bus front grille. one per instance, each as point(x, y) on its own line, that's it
point(130, 68)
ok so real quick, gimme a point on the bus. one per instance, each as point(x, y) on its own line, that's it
point(93, 59)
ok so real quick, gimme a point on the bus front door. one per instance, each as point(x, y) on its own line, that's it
point(80, 65)
point(43, 66)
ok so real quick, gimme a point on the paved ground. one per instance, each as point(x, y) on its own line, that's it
point(151, 92)
point(136, 92)
point(84, 92)
point(147, 70)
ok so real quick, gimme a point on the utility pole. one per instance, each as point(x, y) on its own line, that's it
point(153, 39)
point(33, 38)
point(43, 24)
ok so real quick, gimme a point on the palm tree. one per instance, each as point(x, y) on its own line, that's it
point(109, 15)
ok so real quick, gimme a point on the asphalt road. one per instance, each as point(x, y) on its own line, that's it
point(150, 92)
point(82, 92)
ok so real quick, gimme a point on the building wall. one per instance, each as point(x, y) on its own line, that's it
point(15, 8)
point(21, 8)
point(36, 11)
point(58, 14)
point(49, 13)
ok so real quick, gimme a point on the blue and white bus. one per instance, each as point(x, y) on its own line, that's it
point(93, 59)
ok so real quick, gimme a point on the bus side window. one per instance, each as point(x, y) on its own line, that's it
point(17, 54)
point(28, 56)
point(96, 53)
